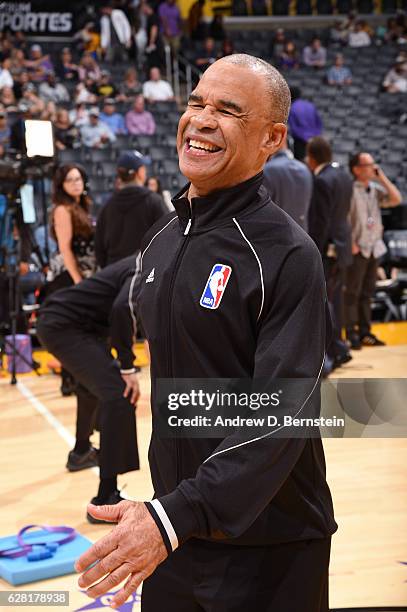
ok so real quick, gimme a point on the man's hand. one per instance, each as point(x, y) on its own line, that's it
point(355, 249)
point(131, 550)
point(132, 390)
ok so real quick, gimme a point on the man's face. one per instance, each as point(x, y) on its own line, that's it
point(228, 113)
point(139, 105)
point(108, 109)
point(154, 74)
point(339, 61)
point(316, 44)
point(93, 119)
point(365, 170)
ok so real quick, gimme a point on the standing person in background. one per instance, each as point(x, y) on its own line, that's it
point(171, 22)
point(74, 325)
point(371, 190)
point(304, 122)
point(129, 213)
point(71, 228)
point(115, 32)
point(289, 183)
point(330, 229)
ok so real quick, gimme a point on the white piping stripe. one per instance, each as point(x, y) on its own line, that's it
point(225, 450)
point(172, 536)
point(139, 266)
point(260, 267)
point(130, 298)
point(155, 236)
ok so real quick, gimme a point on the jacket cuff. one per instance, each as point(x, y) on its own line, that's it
point(175, 516)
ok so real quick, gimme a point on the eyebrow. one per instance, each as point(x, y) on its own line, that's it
point(223, 103)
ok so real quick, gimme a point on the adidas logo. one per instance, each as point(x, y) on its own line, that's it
point(150, 277)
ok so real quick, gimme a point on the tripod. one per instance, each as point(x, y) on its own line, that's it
point(12, 258)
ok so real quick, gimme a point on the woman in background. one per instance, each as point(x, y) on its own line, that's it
point(153, 184)
point(72, 229)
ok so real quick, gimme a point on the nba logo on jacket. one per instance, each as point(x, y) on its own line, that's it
point(215, 286)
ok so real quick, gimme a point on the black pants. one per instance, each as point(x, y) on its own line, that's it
point(300, 148)
point(361, 278)
point(205, 577)
point(335, 279)
point(88, 359)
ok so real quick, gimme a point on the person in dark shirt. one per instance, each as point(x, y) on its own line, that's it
point(74, 324)
point(129, 213)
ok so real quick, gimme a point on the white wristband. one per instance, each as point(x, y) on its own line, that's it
point(130, 371)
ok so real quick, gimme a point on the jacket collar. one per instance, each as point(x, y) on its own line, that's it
point(218, 207)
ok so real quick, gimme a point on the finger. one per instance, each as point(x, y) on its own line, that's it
point(126, 391)
point(104, 566)
point(111, 513)
point(131, 585)
point(109, 582)
point(100, 549)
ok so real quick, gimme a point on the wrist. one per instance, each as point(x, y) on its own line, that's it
point(128, 371)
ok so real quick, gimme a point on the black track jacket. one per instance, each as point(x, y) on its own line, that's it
point(270, 322)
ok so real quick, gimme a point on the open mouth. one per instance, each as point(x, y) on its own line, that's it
point(198, 147)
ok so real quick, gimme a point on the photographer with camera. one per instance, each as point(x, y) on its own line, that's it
point(371, 191)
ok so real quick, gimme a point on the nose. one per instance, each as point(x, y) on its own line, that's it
point(204, 119)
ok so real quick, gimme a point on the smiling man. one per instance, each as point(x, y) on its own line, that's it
point(231, 287)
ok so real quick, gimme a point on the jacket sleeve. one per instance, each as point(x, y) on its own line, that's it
point(289, 346)
point(104, 32)
point(320, 214)
point(122, 327)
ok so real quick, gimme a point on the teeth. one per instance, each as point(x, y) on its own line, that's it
point(197, 144)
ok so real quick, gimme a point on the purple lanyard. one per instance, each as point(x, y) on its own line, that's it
point(39, 550)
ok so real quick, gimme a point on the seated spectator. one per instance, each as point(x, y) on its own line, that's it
point(88, 67)
point(110, 117)
point(359, 37)
point(5, 131)
point(289, 58)
point(65, 133)
point(131, 86)
point(96, 134)
point(227, 48)
point(6, 80)
point(16, 63)
point(170, 22)
point(6, 47)
point(83, 95)
point(79, 115)
point(67, 70)
point(105, 88)
point(138, 120)
point(277, 44)
point(216, 28)
point(20, 81)
point(89, 39)
point(7, 99)
point(38, 65)
point(207, 56)
point(395, 80)
point(338, 34)
point(314, 55)
point(338, 74)
point(50, 112)
point(156, 89)
point(31, 99)
point(51, 91)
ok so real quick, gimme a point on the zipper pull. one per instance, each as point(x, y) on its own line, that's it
point(188, 227)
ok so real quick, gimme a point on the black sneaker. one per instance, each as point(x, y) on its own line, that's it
point(82, 461)
point(371, 340)
point(114, 498)
point(67, 387)
point(340, 360)
point(354, 341)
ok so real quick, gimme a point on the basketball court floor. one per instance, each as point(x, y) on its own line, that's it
point(368, 479)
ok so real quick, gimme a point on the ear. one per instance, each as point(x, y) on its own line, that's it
point(274, 138)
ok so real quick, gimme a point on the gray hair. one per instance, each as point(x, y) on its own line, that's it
point(276, 85)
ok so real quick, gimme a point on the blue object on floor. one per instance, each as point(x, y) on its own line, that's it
point(49, 561)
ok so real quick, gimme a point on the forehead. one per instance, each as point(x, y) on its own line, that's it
point(73, 173)
point(238, 84)
point(365, 158)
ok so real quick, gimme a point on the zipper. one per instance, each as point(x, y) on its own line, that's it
point(169, 335)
